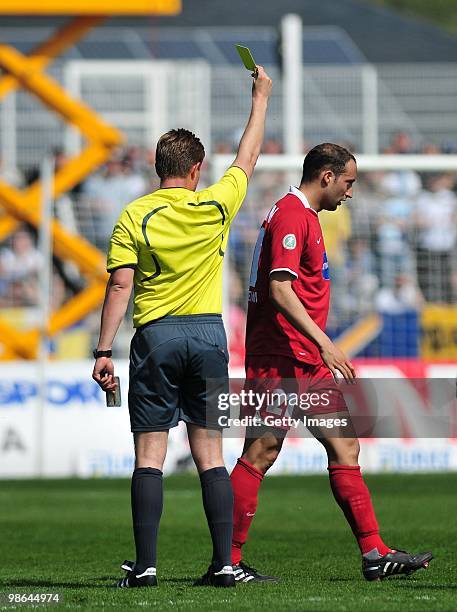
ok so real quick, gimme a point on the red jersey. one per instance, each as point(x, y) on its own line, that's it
point(290, 239)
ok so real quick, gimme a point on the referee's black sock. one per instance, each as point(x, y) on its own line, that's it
point(218, 504)
point(147, 504)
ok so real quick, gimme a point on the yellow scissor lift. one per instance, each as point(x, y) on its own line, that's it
point(27, 72)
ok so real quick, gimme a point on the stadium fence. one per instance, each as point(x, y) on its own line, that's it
point(363, 104)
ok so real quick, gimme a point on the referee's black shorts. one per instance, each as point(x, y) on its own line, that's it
point(178, 367)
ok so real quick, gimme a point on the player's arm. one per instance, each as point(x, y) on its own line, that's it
point(286, 301)
point(118, 290)
point(252, 139)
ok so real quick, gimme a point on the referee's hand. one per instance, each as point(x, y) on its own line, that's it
point(261, 87)
point(103, 373)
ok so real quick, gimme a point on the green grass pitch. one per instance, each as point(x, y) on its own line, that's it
point(69, 537)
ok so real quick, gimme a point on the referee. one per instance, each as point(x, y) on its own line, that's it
point(169, 246)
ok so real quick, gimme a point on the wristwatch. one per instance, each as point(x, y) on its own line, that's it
point(98, 354)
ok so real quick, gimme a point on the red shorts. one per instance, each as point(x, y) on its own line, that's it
point(290, 388)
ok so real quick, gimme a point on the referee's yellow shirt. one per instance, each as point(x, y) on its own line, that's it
point(175, 239)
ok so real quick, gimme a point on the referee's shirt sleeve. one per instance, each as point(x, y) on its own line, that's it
point(230, 191)
point(123, 247)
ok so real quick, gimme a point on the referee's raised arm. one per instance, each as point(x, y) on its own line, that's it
point(251, 141)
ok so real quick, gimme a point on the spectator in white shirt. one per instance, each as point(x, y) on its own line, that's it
point(436, 218)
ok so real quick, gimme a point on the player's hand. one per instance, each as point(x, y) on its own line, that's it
point(261, 88)
point(337, 361)
point(103, 373)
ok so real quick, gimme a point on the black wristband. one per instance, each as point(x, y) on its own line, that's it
point(98, 354)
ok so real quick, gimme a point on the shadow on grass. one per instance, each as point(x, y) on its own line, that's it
point(406, 583)
point(49, 584)
point(431, 587)
point(101, 582)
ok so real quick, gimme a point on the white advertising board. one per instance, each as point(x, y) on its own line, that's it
point(66, 429)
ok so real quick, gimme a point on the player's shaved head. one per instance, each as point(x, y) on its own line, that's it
point(326, 156)
point(177, 151)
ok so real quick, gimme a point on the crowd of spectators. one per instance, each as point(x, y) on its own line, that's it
point(392, 249)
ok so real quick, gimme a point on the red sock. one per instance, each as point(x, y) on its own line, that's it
point(353, 497)
point(246, 481)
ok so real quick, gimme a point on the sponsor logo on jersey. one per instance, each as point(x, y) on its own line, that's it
point(289, 242)
point(325, 270)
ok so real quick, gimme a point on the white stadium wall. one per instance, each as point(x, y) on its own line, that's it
point(73, 433)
